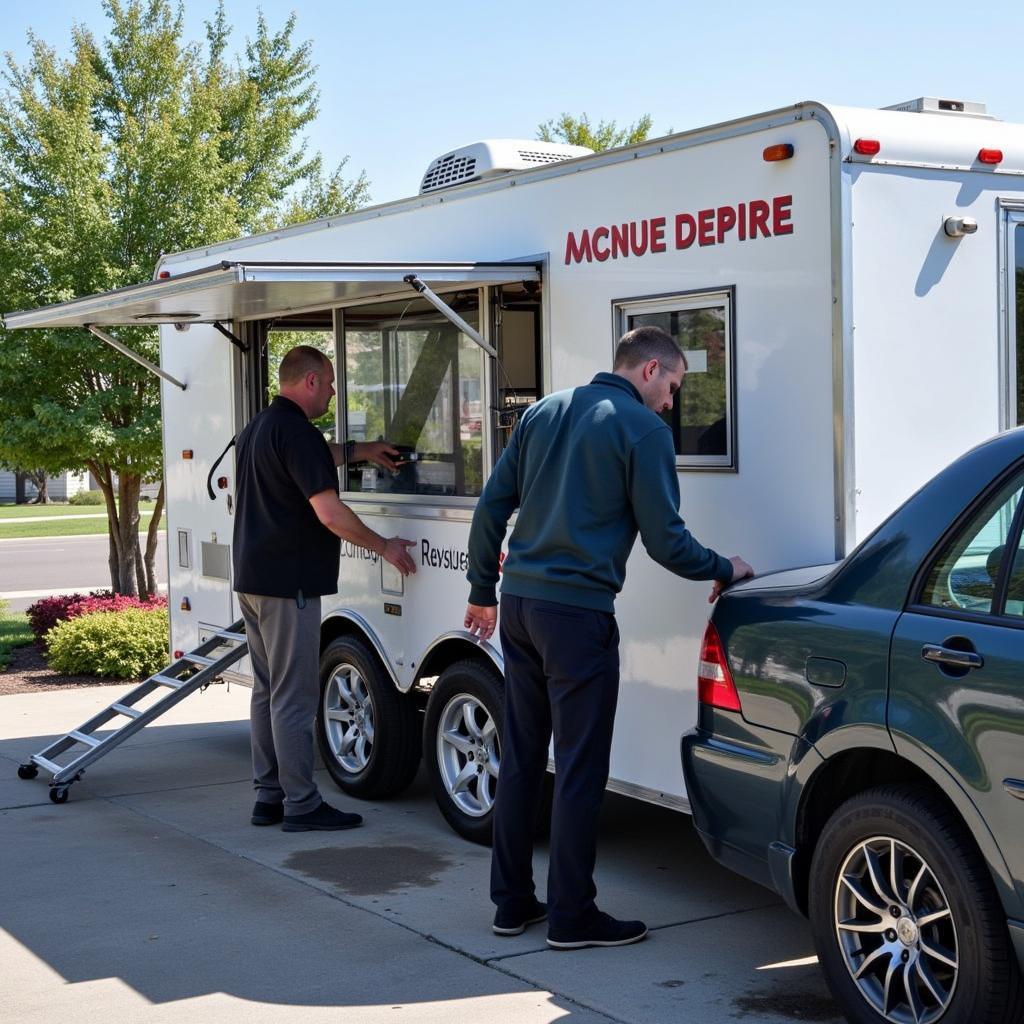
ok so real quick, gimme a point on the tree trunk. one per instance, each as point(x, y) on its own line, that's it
point(38, 477)
point(128, 485)
point(151, 541)
point(19, 488)
point(122, 526)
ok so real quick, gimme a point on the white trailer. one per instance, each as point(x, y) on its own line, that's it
point(846, 282)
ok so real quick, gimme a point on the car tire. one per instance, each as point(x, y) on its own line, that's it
point(462, 746)
point(368, 731)
point(903, 846)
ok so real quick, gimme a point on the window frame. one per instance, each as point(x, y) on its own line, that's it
point(686, 301)
point(1010, 220)
point(387, 498)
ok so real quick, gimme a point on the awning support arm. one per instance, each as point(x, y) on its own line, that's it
point(134, 356)
point(231, 336)
point(445, 310)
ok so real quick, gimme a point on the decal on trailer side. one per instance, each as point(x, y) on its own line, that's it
point(706, 227)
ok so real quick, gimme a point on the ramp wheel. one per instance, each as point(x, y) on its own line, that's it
point(59, 794)
point(28, 771)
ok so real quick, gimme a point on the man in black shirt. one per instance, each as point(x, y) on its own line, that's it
point(288, 527)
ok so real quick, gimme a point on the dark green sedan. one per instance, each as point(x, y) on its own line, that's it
point(860, 749)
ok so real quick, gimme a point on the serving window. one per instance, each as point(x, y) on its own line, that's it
point(414, 379)
point(702, 417)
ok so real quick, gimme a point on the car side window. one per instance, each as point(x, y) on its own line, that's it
point(965, 575)
point(1015, 584)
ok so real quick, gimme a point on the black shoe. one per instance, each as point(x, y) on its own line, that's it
point(506, 923)
point(600, 930)
point(267, 814)
point(324, 819)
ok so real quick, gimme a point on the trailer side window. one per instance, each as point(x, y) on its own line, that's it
point(414, 379)
point(702, 418)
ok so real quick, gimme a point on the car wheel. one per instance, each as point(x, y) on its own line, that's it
point(367, 730)
point(462, 741)
point(905, 917)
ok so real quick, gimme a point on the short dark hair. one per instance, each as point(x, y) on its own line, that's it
point(299, 361)
point(645, 343)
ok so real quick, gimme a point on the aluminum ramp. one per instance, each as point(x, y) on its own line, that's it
point(191, 672)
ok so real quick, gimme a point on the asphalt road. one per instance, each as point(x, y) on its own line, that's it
point(32, 567)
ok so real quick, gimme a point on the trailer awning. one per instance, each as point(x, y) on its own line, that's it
point(254, 291)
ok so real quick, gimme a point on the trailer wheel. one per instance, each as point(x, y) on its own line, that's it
point(28, 771)
point(366, 729)
point(462, 741)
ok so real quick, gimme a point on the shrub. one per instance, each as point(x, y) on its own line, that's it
point(107, 602)
point(87, 498)
point(48, 611)
point(123, 644)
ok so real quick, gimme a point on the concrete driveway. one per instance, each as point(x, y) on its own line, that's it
point(148, 897)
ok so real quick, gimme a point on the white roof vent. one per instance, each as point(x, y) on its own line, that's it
point(933, 105)
point(492, 157)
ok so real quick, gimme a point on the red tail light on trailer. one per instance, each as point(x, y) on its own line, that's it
point(715, 687)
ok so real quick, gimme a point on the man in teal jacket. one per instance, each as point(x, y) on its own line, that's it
point(588, 469)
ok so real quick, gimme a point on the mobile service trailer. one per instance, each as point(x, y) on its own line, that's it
point(844, 282)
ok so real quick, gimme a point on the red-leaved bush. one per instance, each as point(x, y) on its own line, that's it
point(48, 611)
point(117, 603)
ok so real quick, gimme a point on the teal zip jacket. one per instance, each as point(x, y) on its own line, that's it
point(588, 469)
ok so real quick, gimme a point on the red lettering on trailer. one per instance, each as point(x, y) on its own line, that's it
point(620, 240)
point(711, 226)
point(781, 212)
point(685, 220)
point(578, 251)
point(638, 248)
point(658, 234)
point(759, 211)
point(726, 222)
point(705, 227)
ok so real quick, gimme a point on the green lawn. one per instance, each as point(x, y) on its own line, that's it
point(65, 527)
point(31, 511)
point(14, 632)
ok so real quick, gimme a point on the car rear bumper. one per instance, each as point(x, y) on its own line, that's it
point(736, 794)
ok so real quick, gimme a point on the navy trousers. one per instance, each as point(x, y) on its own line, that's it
point(561, 677)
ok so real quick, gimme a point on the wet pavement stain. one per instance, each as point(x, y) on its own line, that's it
point(370, 870)
point(794, 1005)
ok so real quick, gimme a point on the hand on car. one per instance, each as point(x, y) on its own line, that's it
point(383, 453)
point(480, 620)
point(740, 571)
point(395, 554)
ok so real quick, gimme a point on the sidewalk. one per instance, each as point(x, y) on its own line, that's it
point(149, 898)
point(72, 516)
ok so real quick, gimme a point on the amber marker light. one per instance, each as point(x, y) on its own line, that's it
point(867, 147)
point(186, 453)
point(186, 604)
point(782, 151)
point(990, 156)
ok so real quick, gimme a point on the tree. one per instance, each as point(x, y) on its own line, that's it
point(140, 144)
point(578, 131)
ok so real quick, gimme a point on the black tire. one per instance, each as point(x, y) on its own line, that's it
point(28, 771)
point(480, 687)
point(984, 987)
point(59, 795)
point(390, 763)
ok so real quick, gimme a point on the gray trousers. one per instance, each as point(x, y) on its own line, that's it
point(284, 647)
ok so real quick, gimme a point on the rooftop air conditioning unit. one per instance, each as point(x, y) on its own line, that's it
point(492, 157)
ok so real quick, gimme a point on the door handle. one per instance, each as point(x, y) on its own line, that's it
point(1015, 787)
point(950, 656)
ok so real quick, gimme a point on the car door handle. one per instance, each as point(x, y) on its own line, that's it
point(950, 656)
point(1014, 787)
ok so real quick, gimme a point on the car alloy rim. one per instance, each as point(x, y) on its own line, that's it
point(896, 931)
point(348, 718)
point(469, 754)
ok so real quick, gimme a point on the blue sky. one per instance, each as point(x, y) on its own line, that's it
point(403, 82)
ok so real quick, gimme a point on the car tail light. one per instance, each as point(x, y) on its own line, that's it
point(714, 680)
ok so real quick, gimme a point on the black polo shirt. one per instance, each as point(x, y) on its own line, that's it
point(280, 547)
